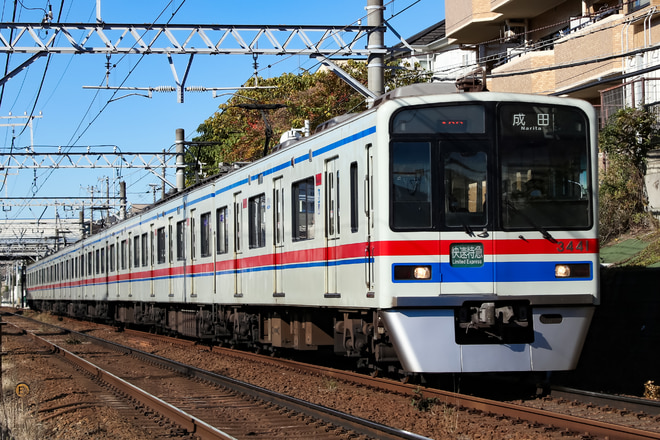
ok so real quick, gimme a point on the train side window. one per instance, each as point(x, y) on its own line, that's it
point(90, 263)
point(222, 244)
point(152, 245)
point(97, 261)
point(160, 245)
point(111, 258)
point(123, 254)
point(302, 201)
point(82, 265)
point(257, 221)
point(136, 251)
point(180, 241)
point(193, 238)
point(145, 250)
point(170, 241)
point(354, 197)
point(205, 234)
point(102, 260)
point(237, 226)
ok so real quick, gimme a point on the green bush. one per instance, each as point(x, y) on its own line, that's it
point(626, 139)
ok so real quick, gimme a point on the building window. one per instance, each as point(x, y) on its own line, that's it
point(638, 4)
point(302, 194)
point(257, 221)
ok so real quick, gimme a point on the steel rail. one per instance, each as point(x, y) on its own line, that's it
point(188, 422)
point(328, 415)
point(566, 422)
point(629, 403)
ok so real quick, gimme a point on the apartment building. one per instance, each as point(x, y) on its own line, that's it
point(432, 50)
point(571, 47)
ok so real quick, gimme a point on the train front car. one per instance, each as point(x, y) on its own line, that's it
point(491, 254)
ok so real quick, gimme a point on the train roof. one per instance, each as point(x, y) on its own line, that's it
point(421, 89)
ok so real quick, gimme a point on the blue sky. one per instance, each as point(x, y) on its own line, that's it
point(72, 115)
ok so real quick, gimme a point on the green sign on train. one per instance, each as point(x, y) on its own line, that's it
point(466, 254)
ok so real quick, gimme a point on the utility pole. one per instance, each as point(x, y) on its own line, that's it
point(375, 44)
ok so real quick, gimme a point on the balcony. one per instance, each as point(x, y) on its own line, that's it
point(522, 8)
point(471, 21)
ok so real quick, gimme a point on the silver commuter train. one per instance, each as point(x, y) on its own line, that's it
point(450, 232)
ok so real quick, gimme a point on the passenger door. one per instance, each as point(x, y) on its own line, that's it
point(369, 213)
point(466, 237)
point(332, 225)
point(278, 234)
point(238, 214)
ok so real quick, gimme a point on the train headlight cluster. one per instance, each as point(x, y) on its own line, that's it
point(412, 272)
point(579, 270)
point(422, 273)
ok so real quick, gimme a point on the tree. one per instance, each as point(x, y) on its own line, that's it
point(317, 97)
point(626, 140)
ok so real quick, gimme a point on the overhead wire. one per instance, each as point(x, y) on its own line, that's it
point(50, 171)
point(89, 108)
point(36, 100)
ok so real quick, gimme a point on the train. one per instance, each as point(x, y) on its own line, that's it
point(435, 232)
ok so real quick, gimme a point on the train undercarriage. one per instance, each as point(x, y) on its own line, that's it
point(358, 334)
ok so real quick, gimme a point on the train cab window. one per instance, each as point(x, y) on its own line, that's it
point(205, 234)
point(160, 245)
point(544, 163)
point(145, 250)
point(136, 251)
point(222, 245)
point(465, 188)
point(257, 221)
point(180, 240)
point(302, 194)
point(411, 185)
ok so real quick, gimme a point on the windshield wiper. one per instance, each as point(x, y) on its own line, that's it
point(468, 229)
point(539, 228)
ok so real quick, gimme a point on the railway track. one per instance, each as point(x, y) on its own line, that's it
point(201, 409)
point(622, 403)
point(565, 423)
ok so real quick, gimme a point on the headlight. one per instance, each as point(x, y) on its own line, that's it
point(562, 271)
point(422, 273)
point(577, 270)
point(403, 272)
